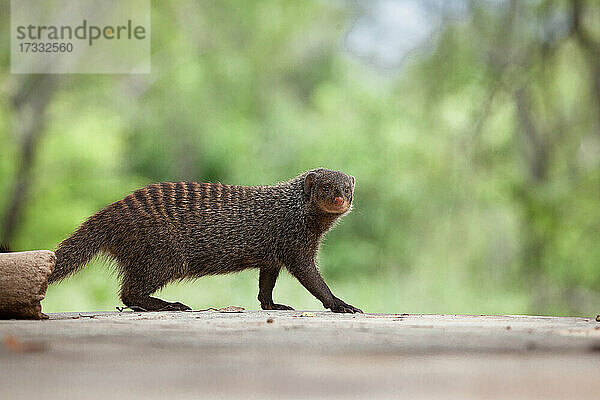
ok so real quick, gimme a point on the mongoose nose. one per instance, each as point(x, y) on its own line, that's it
point(338, 201)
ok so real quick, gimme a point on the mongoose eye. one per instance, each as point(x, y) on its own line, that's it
point(346, 190)
point(325, 188)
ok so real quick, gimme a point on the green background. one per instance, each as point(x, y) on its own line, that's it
point(476, 153)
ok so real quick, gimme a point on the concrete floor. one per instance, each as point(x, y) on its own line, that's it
point(288, 354)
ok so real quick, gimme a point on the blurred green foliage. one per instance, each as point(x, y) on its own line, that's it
point(477, 159)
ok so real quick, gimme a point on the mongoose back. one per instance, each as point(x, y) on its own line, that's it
point(171, 231)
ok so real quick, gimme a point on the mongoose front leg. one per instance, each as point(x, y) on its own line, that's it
point(308, 275)
point(266, 282)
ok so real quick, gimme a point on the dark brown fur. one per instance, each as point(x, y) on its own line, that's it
point(170, 231)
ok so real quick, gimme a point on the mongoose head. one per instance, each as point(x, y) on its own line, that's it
point(331, 191)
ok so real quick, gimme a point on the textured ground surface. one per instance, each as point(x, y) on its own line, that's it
point(257, 354)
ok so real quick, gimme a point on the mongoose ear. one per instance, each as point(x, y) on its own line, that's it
point(353, 181)
point(309, 180)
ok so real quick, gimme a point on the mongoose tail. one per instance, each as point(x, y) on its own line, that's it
point(77, 250)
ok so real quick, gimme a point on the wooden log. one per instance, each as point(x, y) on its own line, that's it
point(23, 283)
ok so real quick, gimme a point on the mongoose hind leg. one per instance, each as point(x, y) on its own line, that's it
point(135, 293)
point(149, 303)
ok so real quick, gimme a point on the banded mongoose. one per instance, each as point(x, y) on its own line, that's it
point(173, 231)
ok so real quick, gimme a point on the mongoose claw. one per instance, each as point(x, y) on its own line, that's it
point(274, 306)
point(342, 307)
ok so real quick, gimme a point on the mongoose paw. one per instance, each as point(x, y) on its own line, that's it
point(176, 306)
point(153, 304)
point(274, 306)
point(341, 307)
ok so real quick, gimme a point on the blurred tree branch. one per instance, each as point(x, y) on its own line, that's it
point(30, 99)
point(497, 66)
point(591, 47)
point(538, 153)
